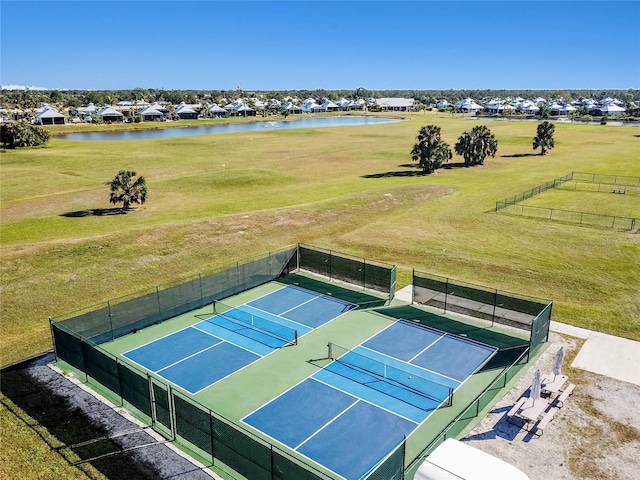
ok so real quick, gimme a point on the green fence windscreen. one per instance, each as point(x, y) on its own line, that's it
point(540, 328)
point(242, 453)
point(392, 468)
point(162, 409)
point(68, 346)
point(135, 388)
point(101, 367)
point(193, 424)
point(357, 271)
point(477, 301)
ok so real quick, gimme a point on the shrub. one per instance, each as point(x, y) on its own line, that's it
point(18, 134)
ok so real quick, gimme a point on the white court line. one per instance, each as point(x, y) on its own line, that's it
point(326, 424)
point(412, 364)
point(368, 401)
point(235, 344)
point(153, 341)
point(426, 348)
point(187, 358)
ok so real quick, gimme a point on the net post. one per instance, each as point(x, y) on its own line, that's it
point(329, 351)
point(295, 341)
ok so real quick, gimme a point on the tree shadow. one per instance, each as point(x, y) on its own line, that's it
point(518, 155)
point(95, 212)
point(75, 424)
point(395, 174)
point(449, 166)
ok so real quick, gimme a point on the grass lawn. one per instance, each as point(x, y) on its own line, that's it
point(218, 198)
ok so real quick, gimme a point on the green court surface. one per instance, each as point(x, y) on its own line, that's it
point(255, 385)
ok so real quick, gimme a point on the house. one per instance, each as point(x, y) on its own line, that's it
point(110, 114)
point(395, 104)
point(329, 106)
point(291, 108)
point(443, 104)
point(49, 116)
point(217, 111)
point(185, 112)
point(150, 114)
point(609, 109)
point(468, 105)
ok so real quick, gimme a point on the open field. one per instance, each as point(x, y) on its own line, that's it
point(602, 203)
point(219, 198)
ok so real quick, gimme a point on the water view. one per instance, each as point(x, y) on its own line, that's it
point(321, 122)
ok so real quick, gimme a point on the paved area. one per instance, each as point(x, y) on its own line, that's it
point(613, 357)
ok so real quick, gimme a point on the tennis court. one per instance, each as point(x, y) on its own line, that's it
point(363, 403)
point(234, 337)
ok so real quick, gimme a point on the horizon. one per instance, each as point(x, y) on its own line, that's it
point(293, 45)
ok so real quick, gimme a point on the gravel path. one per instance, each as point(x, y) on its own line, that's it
point(596, 435)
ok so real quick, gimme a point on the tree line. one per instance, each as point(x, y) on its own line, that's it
point(26, 99)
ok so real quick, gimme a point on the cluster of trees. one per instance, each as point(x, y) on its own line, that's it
point(430, 151)
point(18, 134)
point(475, 145)
point(25, 99)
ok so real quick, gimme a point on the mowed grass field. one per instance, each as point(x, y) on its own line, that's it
point(216, 199)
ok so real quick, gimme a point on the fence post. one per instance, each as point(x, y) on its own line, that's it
point(110, 319)
point(446, 293)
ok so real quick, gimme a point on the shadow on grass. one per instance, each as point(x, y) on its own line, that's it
point(95, 212)
point(413, 173)
point(519, 155)
point(83, 430)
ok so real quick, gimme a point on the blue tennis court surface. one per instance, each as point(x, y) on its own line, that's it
point(354, 411)
point(201, 355)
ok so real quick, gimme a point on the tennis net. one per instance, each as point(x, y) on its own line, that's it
point(239, 320)
point(412, 381)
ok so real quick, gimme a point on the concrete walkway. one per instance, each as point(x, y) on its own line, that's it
point(603, 354)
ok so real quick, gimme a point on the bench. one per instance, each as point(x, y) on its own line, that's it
point(545, 420)
point(516, 407)
point(564, 395)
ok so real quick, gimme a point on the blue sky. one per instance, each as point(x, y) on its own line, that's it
point(277, 45)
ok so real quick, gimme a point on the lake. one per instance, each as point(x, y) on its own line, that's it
point(319, 122)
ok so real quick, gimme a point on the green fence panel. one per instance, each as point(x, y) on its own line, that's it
point(134, 388)
point(68, 347)
point(285, 468)
point(220, 285)
point(255, 273)
point(178, 299)
point(517, 304)
point(348, 270)
point(193, 424)
point(93, 325)
point(315, 261)
point(101, 367)
point(378, 277)
point(475, 293)
point(437, 285)
point(134, 314)
point(162, 408)
point(245, 455)
point(540, 328)
point(392, 468)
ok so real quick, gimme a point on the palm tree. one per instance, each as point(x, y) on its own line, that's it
point(127, 189)
point(476, 145)
point(430, 151)
point(544, 139)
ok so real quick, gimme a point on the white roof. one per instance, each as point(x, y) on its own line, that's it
point(395, 102)
point(216, 108)
point(454, 460)
point(109, 111)
point(611, 108)
point(150, 111)
point(49, 113)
